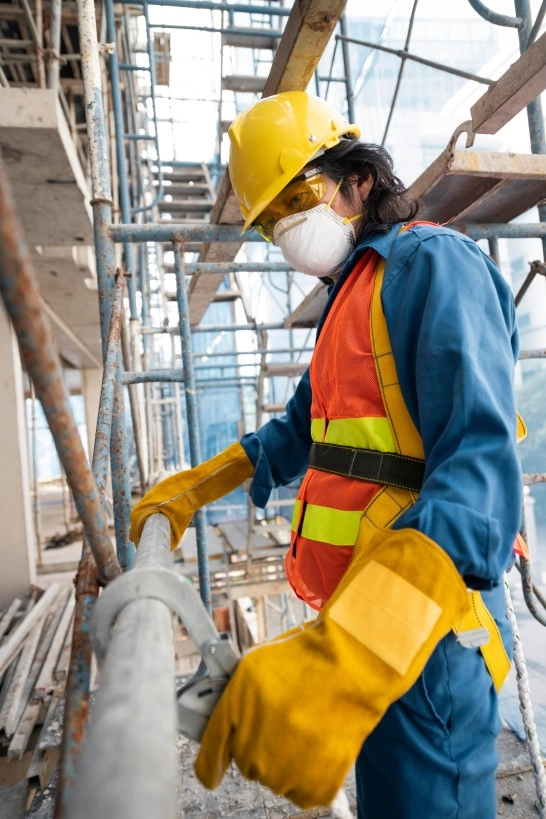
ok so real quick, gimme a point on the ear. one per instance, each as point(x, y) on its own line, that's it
point(364, 186)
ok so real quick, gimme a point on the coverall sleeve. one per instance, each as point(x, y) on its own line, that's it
point(280, 449)
point(451, 321)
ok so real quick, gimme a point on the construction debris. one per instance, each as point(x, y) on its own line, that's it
point(35, 641)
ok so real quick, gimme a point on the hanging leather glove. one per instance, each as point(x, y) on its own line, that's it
point(180, 495)
point(297, 710)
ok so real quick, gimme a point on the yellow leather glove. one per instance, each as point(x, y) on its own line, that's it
point(297, 710)
point(180, 495)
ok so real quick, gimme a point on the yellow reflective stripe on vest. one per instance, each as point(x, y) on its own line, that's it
point(364, 433)
point(493, 652)
point(521, 429)
point(404, 432)
point(327, 525)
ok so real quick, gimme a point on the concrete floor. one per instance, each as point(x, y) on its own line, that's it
point(238, 799)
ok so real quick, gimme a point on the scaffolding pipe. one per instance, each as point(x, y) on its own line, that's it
point(105, 257)
point(535, 115)
point(54, 46)
point(274, 11)
point(536, 27)
point(494, 17)
point(24, 306)
point(133, 774)
point(214, 268)
point(179, 232)
point(268, 33)
point(192, 421)
point(512, 230)
point(124, 203)
point(87, 580)
point(151, 68)
point(347, 69)
point(214, 328)
point(40, 42)
point(400, 73)
point(135, 409)
point(405, 55)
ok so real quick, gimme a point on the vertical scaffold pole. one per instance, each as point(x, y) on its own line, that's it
point(105, 257)
point(190, 392)
point(87, 580)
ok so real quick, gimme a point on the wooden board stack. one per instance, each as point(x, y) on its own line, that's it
point(35, 644)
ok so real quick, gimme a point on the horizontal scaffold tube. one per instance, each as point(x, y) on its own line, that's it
point(180, 232)
point(128, 764)
point(274, 11)
point(512, 230)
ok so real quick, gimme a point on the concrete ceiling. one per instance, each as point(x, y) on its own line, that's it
point(52, 199)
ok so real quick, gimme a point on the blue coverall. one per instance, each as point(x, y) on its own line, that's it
point(451, 321)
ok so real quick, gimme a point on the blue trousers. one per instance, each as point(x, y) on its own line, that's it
point(433, 754)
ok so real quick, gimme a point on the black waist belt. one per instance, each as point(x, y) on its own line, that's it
point(368, 465)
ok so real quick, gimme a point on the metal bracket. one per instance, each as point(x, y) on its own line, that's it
point(537, 268)
point(219, 654)
point(464, 128)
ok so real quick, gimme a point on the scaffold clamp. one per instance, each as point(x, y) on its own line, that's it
point(197, 699)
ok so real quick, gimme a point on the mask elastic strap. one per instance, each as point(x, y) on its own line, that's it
point(331, 199)
point(348, 219)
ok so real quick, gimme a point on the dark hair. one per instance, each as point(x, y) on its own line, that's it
point(388, 201)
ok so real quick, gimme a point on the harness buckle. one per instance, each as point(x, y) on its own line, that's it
point(474, 638)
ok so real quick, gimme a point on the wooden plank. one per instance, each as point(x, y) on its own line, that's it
point(63, 664)
point(511, 93)
point(308, 30)
point(40, 656)
point(8, 718)
point(14, 644)
point(19, 742)
point(42, 765)
point(45, 683)
point(9, 616)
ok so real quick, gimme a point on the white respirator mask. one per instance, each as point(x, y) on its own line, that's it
point(316, 241)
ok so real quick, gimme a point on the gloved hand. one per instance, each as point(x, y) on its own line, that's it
point(297, 710)
point(180, 495)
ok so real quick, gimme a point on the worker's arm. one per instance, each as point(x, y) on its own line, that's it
point(276, 455)
point(280, 449)
point(451, 321)
point(180, 495)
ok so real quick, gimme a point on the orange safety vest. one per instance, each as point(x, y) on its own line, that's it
point(356, 402)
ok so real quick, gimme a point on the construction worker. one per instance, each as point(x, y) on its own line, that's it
point(404, 432)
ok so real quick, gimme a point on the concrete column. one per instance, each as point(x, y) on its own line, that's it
point(17, 544)
point(91, 384)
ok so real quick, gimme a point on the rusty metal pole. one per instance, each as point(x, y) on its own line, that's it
point(87, 580)
point(25, 309)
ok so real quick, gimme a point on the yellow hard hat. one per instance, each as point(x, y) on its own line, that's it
point(273, 140)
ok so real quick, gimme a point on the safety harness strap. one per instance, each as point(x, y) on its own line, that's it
point(368, 465)
point(477, 629)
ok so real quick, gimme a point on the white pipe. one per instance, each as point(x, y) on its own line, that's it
point(128, 764)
